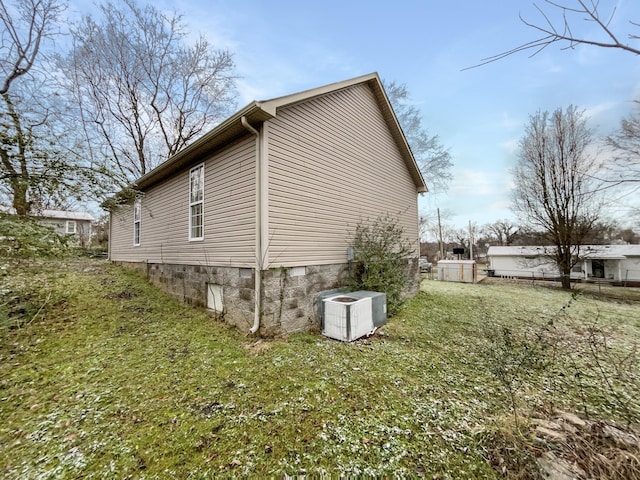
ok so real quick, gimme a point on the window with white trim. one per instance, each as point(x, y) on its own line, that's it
point(196, 203)
point(137, 214)
point(71, 227)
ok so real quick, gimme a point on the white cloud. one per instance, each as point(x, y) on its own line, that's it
point(502, 205)
point(594, 111)
point(476, 182)
point(510, 122)
point(511, 146)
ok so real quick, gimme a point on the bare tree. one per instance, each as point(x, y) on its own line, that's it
point(629, 236)
point(555, 189)
point(465, 235)
point(528, 235)
point(433, 158)
point(26, 24)
point(32, 162)
point(502, 232)
point(560, 23)
point(603, 232)
point(141, 89)
point(626, 145)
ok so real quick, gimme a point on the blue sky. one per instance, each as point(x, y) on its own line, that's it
point(283, 46)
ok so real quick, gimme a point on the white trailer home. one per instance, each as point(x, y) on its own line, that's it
point(616, 263)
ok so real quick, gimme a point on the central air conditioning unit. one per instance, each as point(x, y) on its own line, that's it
point(347, 318)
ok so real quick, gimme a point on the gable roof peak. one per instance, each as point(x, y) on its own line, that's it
point(310, 93)
point(375, 83)
point(261, 111)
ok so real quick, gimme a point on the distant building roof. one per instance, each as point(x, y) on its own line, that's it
point(61, 214)
point(66, 215)
point(585, 251)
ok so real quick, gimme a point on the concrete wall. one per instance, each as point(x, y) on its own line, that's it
point(188, 283)
point(289, 294)
point(289, 299)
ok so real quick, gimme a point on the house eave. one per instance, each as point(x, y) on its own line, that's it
point(226, 132)
point(260, 111)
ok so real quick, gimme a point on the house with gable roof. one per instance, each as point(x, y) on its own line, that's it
point(254, 219)
point(69, 223)
point(64, 222)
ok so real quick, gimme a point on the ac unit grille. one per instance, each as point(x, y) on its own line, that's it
point(347, 318)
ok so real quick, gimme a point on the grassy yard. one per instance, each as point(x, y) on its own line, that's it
point(103, 376)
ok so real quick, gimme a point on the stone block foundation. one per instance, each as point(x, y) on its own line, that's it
point(289, 295)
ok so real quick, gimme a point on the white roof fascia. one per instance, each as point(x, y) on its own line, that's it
point(66, 215)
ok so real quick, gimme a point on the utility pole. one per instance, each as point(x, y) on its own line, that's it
point(440, 236)
point(470, 242)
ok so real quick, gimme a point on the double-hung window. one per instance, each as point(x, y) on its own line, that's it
point(196, 203)
point(71, 227)
point(137, 214)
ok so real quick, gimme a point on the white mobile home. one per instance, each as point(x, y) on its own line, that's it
point(617, 263)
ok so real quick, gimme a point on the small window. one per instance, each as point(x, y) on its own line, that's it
point(71, 227)
point(137, 214)
point(196, 203)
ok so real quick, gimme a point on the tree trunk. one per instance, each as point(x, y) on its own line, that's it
point(20, 202)
point(19, 175)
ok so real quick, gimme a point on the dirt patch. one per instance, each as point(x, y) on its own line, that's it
point(257, 347)
point(123, 295)
point(91, 266)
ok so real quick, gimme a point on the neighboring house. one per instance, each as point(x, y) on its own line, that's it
point(64, 222)
point(266, 202)
point(618, 263)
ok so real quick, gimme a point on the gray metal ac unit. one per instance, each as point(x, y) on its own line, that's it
point(347, 318)
point(378, 305)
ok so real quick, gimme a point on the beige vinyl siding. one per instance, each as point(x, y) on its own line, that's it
point(332, 164)
point(229, 216)
point(121, 236)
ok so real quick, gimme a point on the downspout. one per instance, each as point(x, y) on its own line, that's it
point(109, 235)
point(258, 270)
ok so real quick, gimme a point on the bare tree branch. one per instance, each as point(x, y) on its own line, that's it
point(433, 158)
point(23, 157)
point(23, 32)
point(141, 88)
point(562, 31)
point(625, 166)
